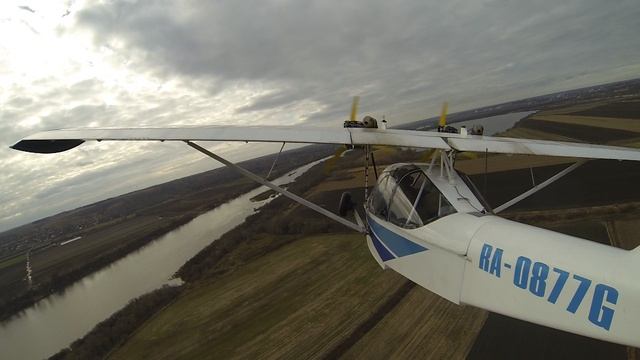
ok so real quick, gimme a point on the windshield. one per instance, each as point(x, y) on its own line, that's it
point(405, 196)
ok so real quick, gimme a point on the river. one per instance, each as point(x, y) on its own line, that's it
point(56, 321)
point(492, 124)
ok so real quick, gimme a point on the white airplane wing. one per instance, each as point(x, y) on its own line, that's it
point(540, 147)
point(61, 140)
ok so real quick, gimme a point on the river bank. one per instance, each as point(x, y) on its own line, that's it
point(55, 267)
point(232, 241)
point(97, 296)
point(115, 330)
point(59, 282)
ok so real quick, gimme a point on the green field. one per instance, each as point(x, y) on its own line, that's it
point(15, 260)
point(304, 301)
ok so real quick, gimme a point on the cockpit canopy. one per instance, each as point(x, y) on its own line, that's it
point(407, 198)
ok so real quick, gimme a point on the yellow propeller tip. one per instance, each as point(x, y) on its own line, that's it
point(443, 114)
point(354, 108)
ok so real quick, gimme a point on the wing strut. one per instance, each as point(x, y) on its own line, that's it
point(538, 187)
point(275, 160)
point(280, 190)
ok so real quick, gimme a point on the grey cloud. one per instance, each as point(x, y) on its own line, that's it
point(91, 179)
point(31, 28)
point(50, 108)
point(84, 87)
point(9, 135)
point(82, 90)
point(341, 113)
point(322, 47)
point(275, 100)
point(84, 162)
point(26, 8)
point(263, 40)
point(19, 102)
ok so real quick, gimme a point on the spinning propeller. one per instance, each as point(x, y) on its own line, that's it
point(330, 164)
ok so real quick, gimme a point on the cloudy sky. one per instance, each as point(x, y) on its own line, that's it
point(131, 63)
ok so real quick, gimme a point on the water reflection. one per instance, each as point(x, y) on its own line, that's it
point(492, 124)
point(496, 124)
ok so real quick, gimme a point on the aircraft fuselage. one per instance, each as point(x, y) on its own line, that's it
point(453, 247)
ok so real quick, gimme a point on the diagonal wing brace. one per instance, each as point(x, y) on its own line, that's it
point(280, 190)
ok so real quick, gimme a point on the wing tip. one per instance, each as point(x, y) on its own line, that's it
point(46, 146)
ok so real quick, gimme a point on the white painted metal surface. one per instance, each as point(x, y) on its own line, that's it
point(454, 189)
point(525, 272)
point(555, 280)
point(356, 136)
point(437, 269)
point(517, 270)
point(289, 134)
point(540, 147)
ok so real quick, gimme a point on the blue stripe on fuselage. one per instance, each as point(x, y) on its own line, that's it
point(399, 245)
point(382, 251)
